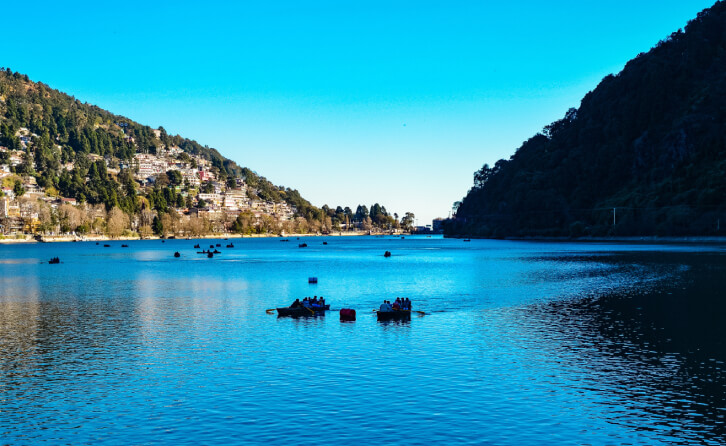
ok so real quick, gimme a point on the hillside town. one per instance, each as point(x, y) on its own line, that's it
point(203, 204)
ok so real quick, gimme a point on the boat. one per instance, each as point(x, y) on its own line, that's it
point(196, 246)
point(210, 255)
point(395, 315)
point(54, 261)
point(302, 311)
point(216, 252)
point(218, 245)
point(176, 254)
point(106, 246)
point(302, 245)
point(387, 254)
point(124, 246)
point(312, 280)
point(231, 245)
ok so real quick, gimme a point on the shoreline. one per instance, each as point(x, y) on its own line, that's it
point(103, 238)
point(624, 239)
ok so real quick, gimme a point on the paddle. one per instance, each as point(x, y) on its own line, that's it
point(270, 310)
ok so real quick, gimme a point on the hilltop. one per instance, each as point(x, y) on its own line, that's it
point(72, 167)
point(644, 154)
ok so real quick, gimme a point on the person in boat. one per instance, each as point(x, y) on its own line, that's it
point(397, 304)
point(385, 307)
point(296, 304)
point(306, 302)
point(315, 303)
point(408, 304)
point(321, 301)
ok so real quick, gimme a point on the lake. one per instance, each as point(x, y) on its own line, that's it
point(522, 343)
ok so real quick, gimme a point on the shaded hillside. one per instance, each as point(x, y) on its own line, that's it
point(644, 154)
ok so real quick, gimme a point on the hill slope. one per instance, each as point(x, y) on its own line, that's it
point(66, 152)
point(644, 154)
point(68, 131)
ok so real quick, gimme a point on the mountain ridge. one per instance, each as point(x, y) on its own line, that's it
point(52, 142)
point(648, 141)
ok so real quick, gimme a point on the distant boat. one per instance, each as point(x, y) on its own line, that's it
point(106, 246)
point(231, 245)
point(387, 254)
point(176, 254)
point(219, 245)
point(196, 246)
point(302, 311)
point(54, 261)
point(312, 280)
point(210, 255)
point(124, 246)
point(467, 240)
point(302, 245)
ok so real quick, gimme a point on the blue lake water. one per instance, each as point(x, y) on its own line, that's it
point(523, 343)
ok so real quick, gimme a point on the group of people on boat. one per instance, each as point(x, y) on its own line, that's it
point(401, 303)
point(308, 302)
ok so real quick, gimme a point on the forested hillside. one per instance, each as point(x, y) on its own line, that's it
point(69, 130)
point(80, 164)
point(644, 154)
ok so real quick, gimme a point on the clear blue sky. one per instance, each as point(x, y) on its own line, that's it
point(396, 102)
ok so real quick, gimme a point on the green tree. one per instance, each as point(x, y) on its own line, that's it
point(175, 177)
point(18, 188)
point(157, 226)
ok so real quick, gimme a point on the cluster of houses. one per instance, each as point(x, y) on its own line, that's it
point(219, 201)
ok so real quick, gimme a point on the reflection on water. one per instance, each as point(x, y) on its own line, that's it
point(524, 343)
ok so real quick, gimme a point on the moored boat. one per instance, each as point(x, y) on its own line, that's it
point(302, 311)
point(394, 315)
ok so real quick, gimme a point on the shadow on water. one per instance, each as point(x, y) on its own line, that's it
point(661, 348)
